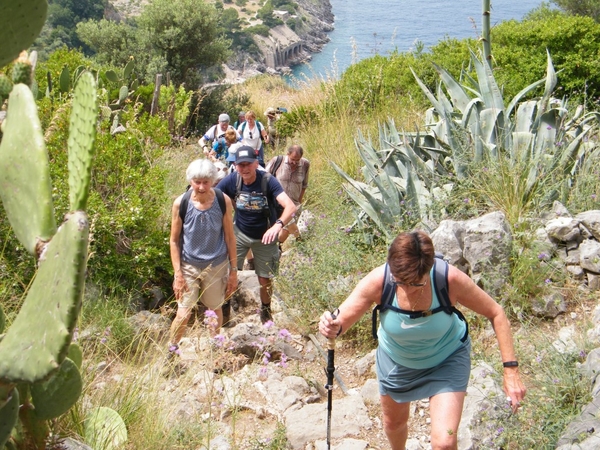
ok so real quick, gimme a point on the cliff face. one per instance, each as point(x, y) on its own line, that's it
point(319, 22)
point(283, 48)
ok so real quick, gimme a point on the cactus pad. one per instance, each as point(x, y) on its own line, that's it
point(5, 87)
point(8, 416)
point(105, 429)
point(38, 340)
point(25, 186)
point(54, 397)
point(75, 354)
point(20, 23)
point(22, 71)
point(82, 133)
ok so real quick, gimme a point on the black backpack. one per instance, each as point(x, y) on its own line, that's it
point(440, 284)
point(186, 199)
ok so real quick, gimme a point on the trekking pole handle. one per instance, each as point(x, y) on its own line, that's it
point(331, 341)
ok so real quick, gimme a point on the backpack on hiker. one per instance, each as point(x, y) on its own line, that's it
point(273, 171)
point(185, 200)
point(440, 285)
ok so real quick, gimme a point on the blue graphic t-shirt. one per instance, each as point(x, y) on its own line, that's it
point(249, 206)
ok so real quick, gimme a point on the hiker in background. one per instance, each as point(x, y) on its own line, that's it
point(272, 115)
point(214, 133)
point(253, 134)
point(424, 352)
point(256, 223)
point(241, 120)
point(292, 172)
point(220, 150)
point(202, 248)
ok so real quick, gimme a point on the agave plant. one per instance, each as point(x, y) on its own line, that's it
point(538, 134)
point(401, 179)
point(469, 125)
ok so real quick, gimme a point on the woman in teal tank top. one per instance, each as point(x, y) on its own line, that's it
point(423, 354)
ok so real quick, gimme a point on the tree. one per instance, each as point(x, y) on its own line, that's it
point(589, 8)
point(113, 42)
point(64, 15)
point(185, 34)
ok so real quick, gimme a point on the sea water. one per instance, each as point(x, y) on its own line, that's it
point(364, 28)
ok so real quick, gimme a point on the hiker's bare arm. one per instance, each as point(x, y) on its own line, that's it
point(366, 293)
point(289, 209)
point(232, 282)
point(179, 285)
point(463, 290)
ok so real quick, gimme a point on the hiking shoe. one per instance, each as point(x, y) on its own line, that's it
point(265, 313)
point(226, 308)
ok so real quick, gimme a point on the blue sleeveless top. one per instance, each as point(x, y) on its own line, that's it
point(420, 343)
point(203, 238)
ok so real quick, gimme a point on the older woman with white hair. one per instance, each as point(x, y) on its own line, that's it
point(203, 248)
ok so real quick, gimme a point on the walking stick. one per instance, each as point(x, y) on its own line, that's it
point(329, 386)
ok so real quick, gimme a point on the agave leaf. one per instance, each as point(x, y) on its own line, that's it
point(525, 116)
point(436, 104)
point(459, 97)
point(517, 98)
point(567, 157)
point(545, 133)
point(549, 86)
point(489, 90)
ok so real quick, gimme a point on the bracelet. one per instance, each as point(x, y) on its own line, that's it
point(280, 222)
point(233, 269)
point(511, 364)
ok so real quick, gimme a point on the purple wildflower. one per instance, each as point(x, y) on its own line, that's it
point(285, 335)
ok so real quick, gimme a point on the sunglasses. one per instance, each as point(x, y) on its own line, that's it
point(250, 134)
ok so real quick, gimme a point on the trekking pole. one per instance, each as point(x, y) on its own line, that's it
point(329, 386)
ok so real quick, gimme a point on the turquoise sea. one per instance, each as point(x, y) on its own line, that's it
point(364, 28)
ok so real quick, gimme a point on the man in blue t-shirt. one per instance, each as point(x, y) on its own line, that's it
point(256, 225)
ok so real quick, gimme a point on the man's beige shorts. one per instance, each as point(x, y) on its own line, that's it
point(208, 285)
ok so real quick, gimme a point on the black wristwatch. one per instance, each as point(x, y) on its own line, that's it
point(280, 222)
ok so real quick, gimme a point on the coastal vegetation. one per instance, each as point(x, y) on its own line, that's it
point(373, 110)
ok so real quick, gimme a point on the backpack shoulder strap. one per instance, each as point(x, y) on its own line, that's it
point(238, 183)
point(440, 284)
point(221, 200)
point(276, 164)
point(184, 204)
point(264, 186)
point(243, 127)
point(387, 296)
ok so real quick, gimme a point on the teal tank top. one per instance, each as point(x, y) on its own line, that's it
point(423, 342)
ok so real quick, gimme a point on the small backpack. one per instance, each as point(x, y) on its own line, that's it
point(258, 125)
point(186, 199)
point(440, 285)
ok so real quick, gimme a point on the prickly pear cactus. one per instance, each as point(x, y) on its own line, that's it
point(25, 187)
point(5, 87)
point(9, 414)
point(82, 134)
point(39, 338)
point(21, 22)
point(22, 71)
point(56, 396)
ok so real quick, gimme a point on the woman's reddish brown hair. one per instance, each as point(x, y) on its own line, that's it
point(410, 256)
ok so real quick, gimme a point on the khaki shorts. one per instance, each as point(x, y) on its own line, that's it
point(266, 257)
point(208, 285)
